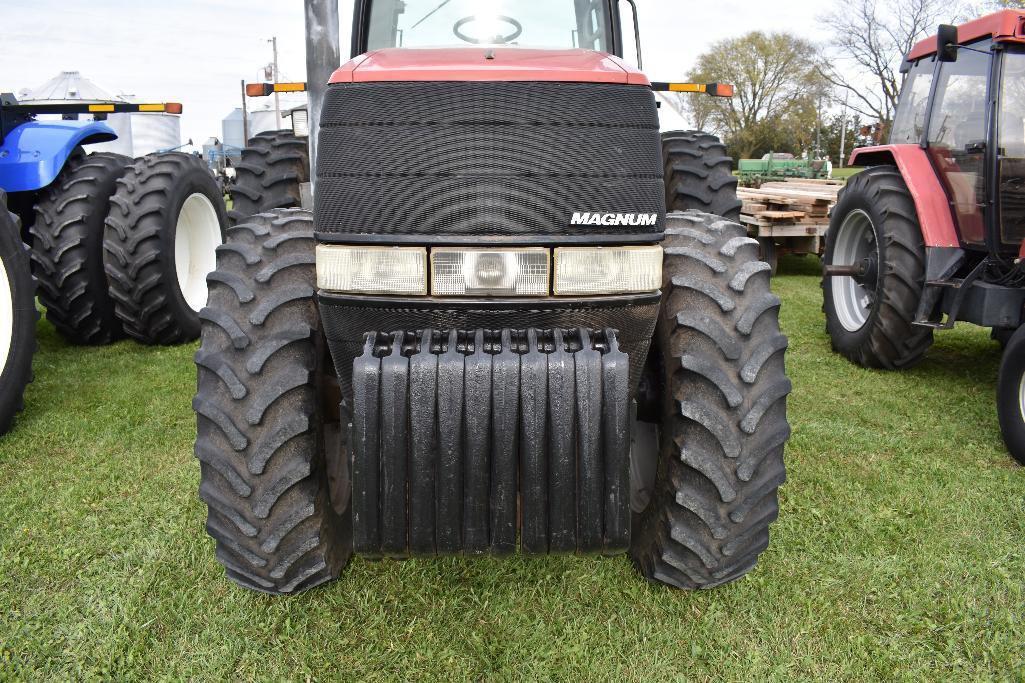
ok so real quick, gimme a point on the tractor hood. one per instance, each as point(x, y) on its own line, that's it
point(487, 64)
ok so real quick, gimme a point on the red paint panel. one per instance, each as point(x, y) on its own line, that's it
point(1003, 26)
point(473, 64)
point(931, 202)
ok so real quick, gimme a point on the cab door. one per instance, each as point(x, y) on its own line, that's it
point(957, 136)
point(1011, 150)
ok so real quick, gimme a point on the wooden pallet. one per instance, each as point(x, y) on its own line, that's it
point(793, 213)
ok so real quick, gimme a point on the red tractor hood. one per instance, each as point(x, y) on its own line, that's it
point(487, 64)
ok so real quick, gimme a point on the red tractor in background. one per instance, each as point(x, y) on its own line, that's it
point(933, 231)
point(503, 326)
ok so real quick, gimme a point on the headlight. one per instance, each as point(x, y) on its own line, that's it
point(372, 270)
point(607, 270)
point(493, 272)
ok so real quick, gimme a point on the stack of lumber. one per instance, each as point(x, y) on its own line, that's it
point(792, 208)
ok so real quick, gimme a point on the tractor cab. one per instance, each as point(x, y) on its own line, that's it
point(963, 102)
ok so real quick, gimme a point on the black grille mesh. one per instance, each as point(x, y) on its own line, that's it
point(486, 158)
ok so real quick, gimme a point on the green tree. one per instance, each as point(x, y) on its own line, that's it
point(777, 96)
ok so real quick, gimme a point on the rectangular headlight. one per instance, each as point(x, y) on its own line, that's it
point(583, 271)
point(491, 272)
point(372, 270)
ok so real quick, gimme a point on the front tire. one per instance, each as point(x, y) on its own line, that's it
point(723, 409)
point(870, 318)
point(1011, 396)
point(268, 408)
point(165, 223)
point(18, 317)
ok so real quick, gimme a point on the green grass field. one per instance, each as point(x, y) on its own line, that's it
point(898, 554)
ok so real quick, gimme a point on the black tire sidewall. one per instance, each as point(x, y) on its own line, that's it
point(845, 341)
point(194, 181)
point(1012, 370)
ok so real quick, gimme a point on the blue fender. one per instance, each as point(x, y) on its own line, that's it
point(34, 153)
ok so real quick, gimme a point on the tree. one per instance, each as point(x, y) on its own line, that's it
point(869, 45)
point(777, 96)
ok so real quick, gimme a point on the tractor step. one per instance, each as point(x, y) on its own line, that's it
point(462, 438)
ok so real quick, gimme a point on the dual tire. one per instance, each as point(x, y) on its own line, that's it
point(274, 166)
point(121, 247)
point(271, 440)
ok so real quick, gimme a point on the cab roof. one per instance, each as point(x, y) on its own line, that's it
point(1005, 26)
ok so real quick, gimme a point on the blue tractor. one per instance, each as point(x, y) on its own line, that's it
point(112, 246)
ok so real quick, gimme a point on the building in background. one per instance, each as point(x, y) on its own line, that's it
point(262, 118)
point(137, 134)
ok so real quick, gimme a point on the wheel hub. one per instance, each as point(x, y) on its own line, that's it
point(196, 237)
point(855, 270)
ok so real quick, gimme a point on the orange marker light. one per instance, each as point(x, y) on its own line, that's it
point(258, 89)
point(173, 108)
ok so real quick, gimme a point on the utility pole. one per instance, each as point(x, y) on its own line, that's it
point(818, 130)
point(323, 56)
point(245, 116)
point(843, 129)
point(276, 78)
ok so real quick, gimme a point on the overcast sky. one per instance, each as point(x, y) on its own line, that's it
point(196, 51)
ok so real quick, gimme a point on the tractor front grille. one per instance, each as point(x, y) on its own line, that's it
point(488, 159)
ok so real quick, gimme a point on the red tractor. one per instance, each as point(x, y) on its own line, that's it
point(933, 231)
point(501, 328)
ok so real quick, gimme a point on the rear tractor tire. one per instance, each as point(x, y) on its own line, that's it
point(67, 248)
point(271, 174)
point(165, 223)
point(1011, 396)
point(268, 413)
point(706, 516)
point(699, 174)
point(18, 317)
point(870, 318)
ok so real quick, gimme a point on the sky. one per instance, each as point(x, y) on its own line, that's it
point(196, 51)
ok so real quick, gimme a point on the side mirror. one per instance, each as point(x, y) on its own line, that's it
point(947, 43)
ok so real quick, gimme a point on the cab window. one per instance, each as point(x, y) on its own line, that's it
point(909, 123)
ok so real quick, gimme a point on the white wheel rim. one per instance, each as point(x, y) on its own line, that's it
point(1021, 397)
point(6, 316)
point(855, 241)
point(196, 237)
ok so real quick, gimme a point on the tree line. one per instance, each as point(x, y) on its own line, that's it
point(794, 96)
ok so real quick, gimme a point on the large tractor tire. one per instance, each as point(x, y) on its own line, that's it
point(268, 411)
point(870, 317)
point(723, 388)
point(67, 248)
point(699, 174)
point(165, 223)
point(270, 176)
point(1011, 396)
point(18, 317)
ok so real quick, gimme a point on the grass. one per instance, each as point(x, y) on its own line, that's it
point(898, 553)
point(844, 173)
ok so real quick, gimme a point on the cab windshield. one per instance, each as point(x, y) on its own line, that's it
point(525, 23)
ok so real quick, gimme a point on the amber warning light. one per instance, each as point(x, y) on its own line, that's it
point(264, 89)
point(713, 89)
